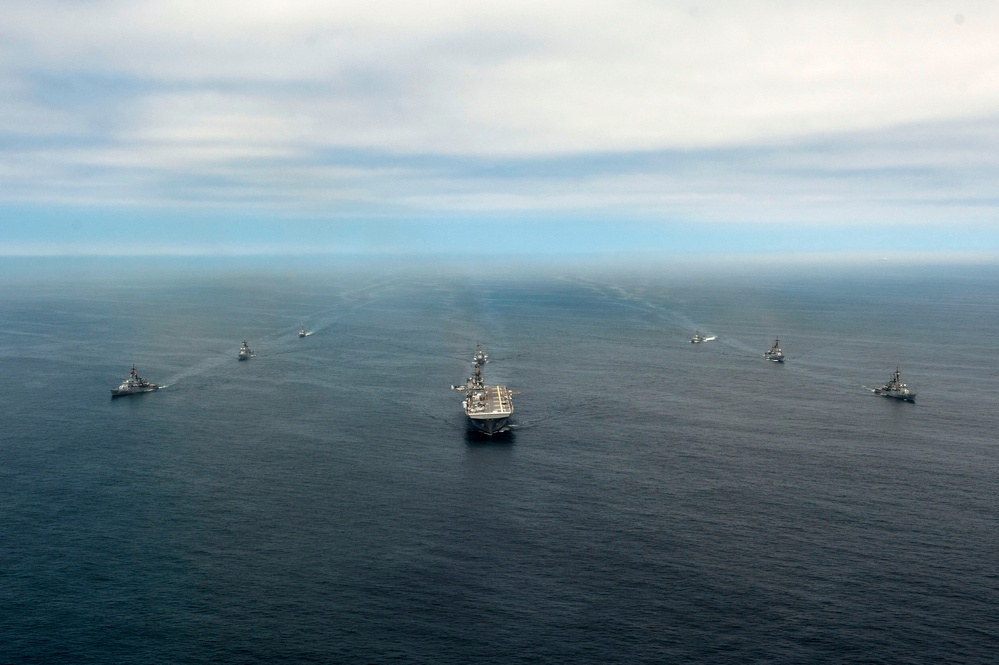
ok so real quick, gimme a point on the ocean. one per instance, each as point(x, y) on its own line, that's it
point(656, 501)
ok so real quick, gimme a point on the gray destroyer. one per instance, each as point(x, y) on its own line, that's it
point(488, 408)
point(133, 385)
point(896, 388)
point(244, 351)
point(775, 354)
point(479, 358)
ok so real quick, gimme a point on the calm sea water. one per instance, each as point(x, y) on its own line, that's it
point(657, 502)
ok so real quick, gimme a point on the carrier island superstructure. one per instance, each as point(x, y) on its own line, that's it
point(488, 407)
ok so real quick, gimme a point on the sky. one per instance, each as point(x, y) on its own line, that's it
point(201, 127)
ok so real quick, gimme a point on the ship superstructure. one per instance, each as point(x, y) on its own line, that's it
point(896, 388)
point(775, 354)
point(244, 351)
point(488, 408)
point(133, 385)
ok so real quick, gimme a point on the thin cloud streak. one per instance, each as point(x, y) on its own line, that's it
point(911, 176)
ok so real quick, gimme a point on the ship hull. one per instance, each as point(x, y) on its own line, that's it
point(490, 426)
point(117, 392)
point(902, 397)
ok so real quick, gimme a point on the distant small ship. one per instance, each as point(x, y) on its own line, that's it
point(479, 358)
point(244, 351)
point(488, 408)
point(133, 385)
point(775, 354)
point(896, 388)
point(301, 333)
point(698, 338)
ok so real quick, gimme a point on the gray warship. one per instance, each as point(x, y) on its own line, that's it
point(301, 333)
point(896, 388)
point(488, 407)
point(133, 385)
point(775, 354)
point(479, 358)
point(244, 351)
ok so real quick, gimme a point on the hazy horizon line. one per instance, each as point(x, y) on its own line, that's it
point(749, 257)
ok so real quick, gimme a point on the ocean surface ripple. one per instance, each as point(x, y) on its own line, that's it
point(656, 502)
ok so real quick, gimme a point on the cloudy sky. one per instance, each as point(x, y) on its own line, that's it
point(218, 126)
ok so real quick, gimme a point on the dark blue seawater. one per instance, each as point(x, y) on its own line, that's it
point(658, 501)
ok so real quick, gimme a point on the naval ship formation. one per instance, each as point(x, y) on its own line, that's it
point(488, 408)
point(133, 385)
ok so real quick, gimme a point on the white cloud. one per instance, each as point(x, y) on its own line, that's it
point(501, 77)
point(213, 103)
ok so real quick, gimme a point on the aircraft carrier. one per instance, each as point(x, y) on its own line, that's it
point(488, 407)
